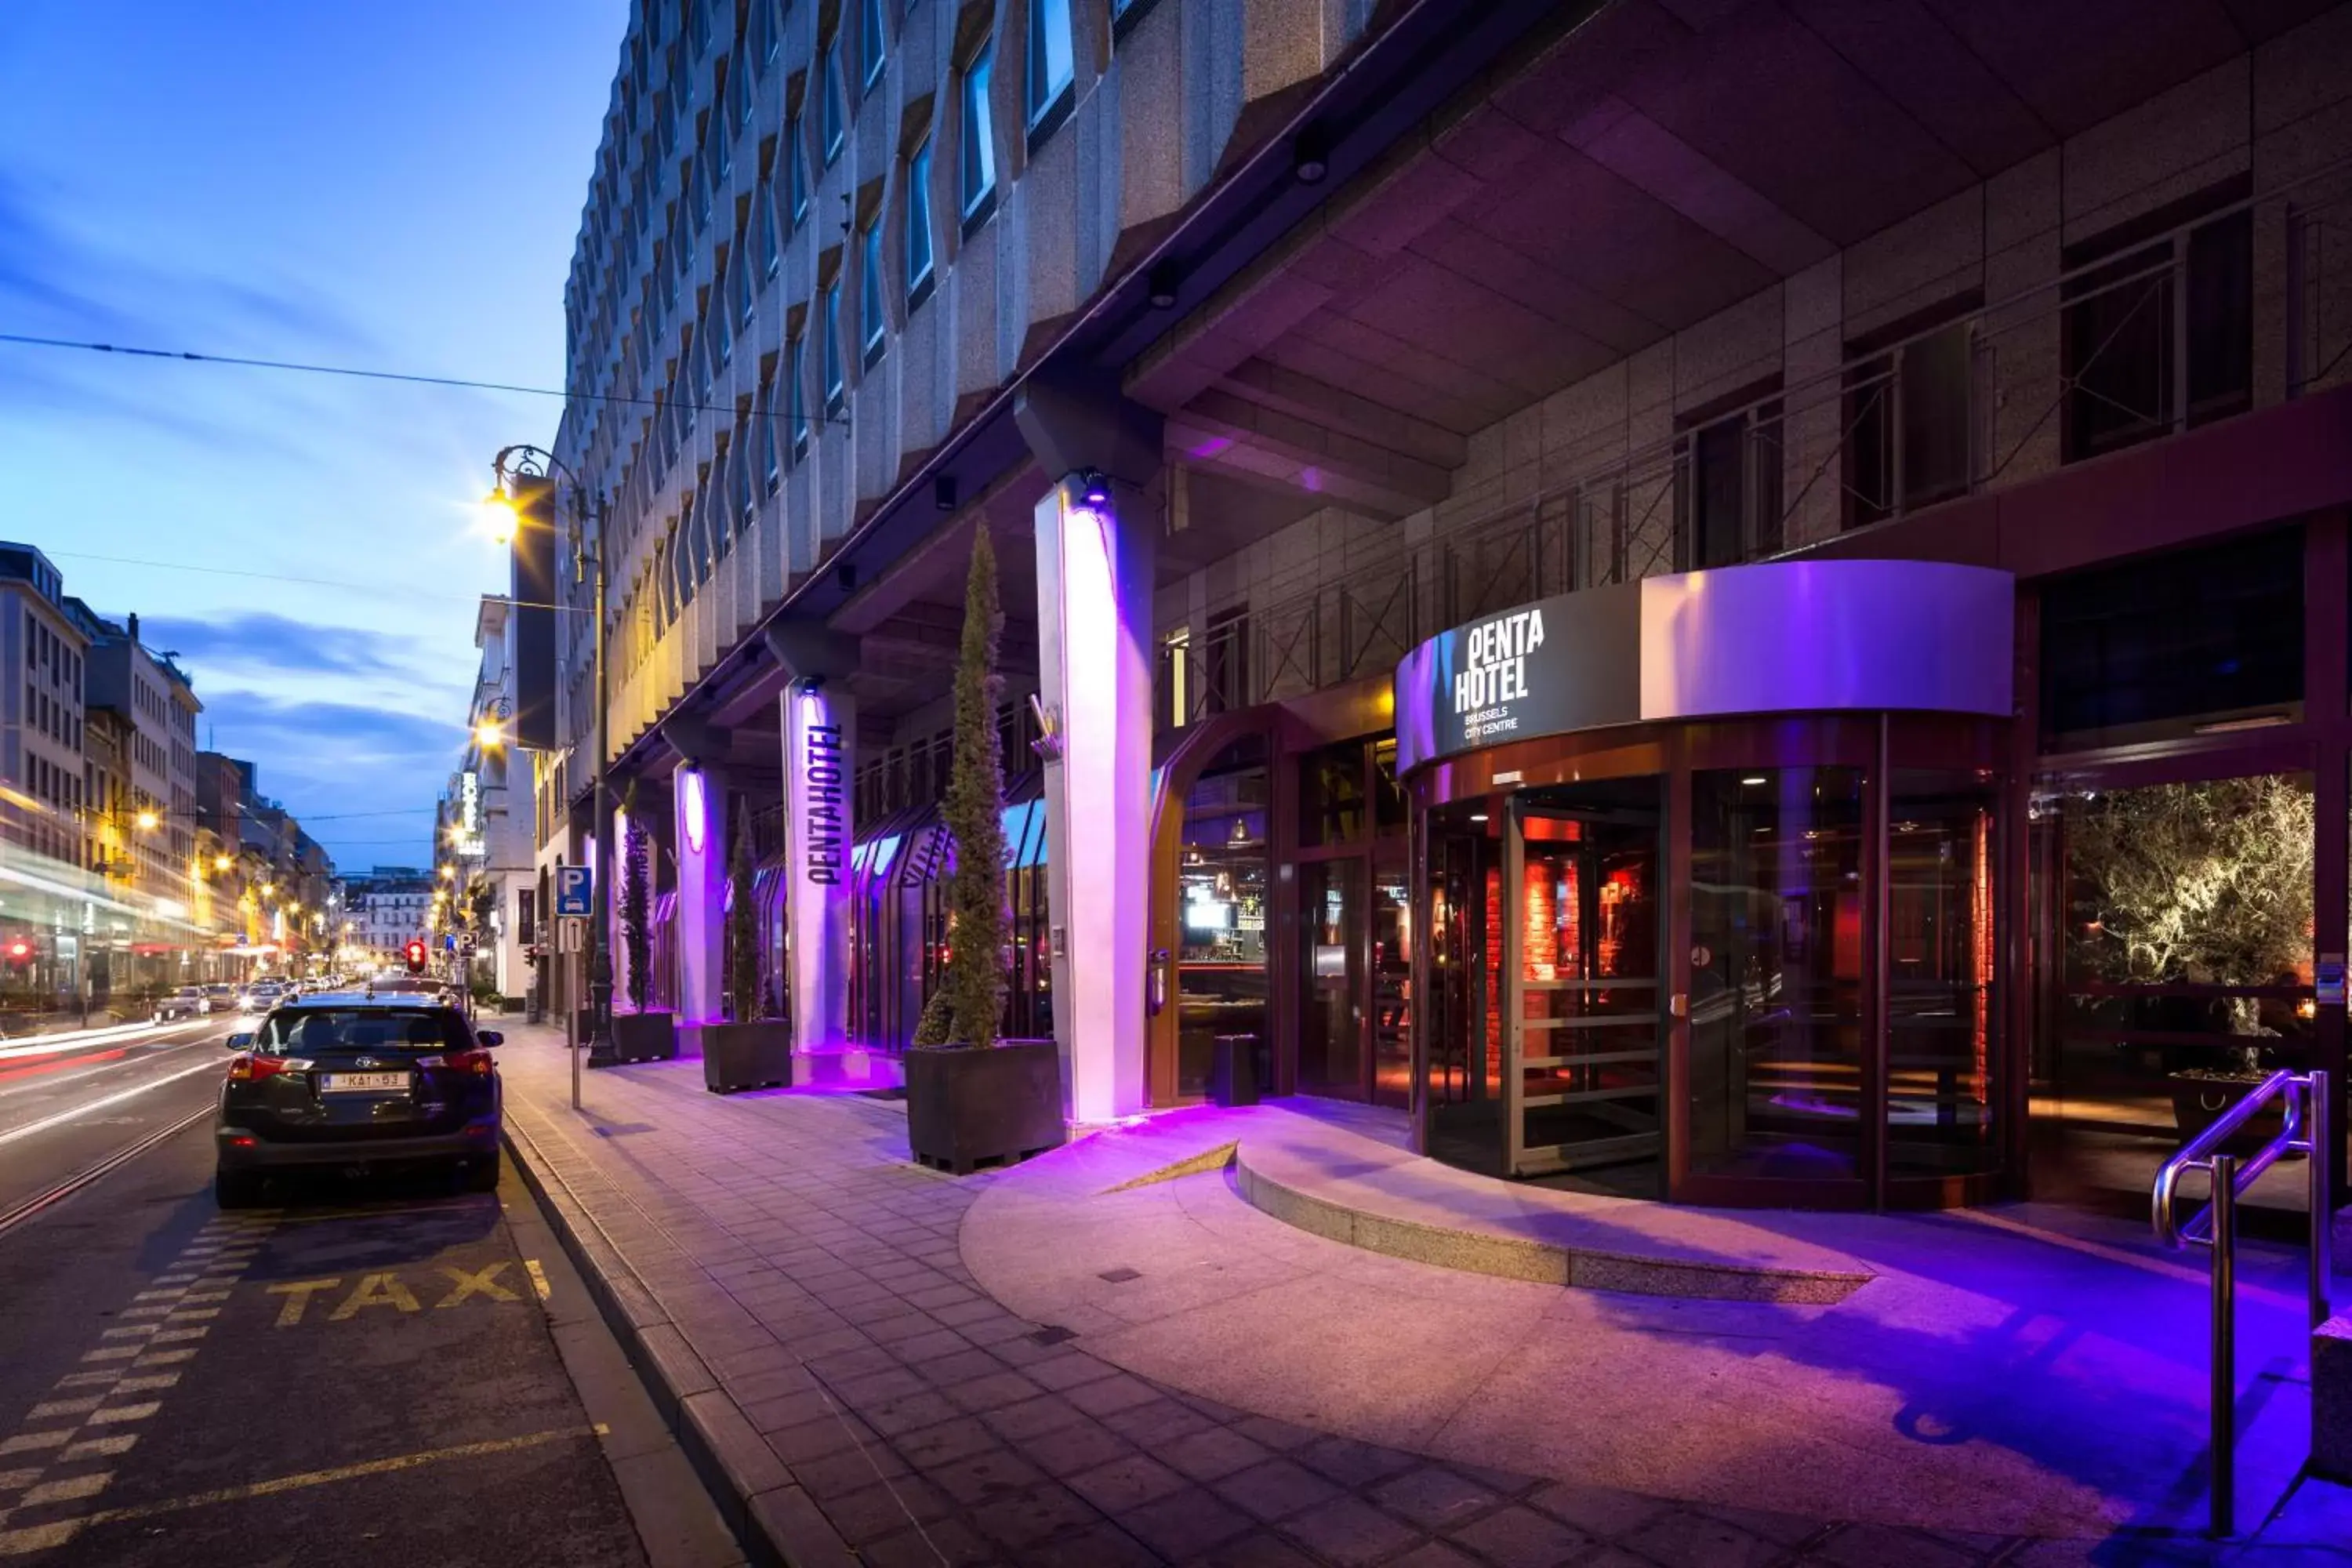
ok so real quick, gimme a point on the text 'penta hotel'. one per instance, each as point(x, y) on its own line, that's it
point(1740, 604)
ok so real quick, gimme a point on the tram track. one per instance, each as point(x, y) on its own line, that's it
point(39, 1203)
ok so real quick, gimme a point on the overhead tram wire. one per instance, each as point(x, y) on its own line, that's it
point(310, 582)
point(359, 372)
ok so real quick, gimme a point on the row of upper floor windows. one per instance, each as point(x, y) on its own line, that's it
point(649, 281)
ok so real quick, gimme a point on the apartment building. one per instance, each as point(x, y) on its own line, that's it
point(42, 647)
point(1704, 534)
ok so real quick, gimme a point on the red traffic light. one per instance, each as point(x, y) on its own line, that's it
point(20, 950)
point(415, 956)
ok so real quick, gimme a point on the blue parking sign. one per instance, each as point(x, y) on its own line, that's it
point(573, 888)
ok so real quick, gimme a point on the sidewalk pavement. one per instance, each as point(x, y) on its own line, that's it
point(798, 1293)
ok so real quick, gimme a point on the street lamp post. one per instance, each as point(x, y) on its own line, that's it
point(589, 562)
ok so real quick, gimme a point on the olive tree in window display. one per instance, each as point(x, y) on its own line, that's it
point(971, 1099)
point(2200, 884)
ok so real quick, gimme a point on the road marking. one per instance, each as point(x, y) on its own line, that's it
point(88, 1379)
point(192, 1315)
point(16, 1480)
point(340, 1473)
point(111, 1352)
point(40, 1538)
point(159, 1295)
point(138, 1412)
point(538, 1277)
point(129, 1331)
point(482, 1281)
point(61, 1118)
point(298, 1293)
point(179, 1336)
point(32, 1442)
point(376, 1290)
point(55, 1407)
point(70, 1489)
point(97, 1448)
point(145, 1384)
point(164, 1358)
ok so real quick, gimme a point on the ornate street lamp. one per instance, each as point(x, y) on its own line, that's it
point(588, 513)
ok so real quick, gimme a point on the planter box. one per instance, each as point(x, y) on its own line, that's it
point(645, 1036)
point(968, 1109)
point(2199, 1100)
point(744, 1056)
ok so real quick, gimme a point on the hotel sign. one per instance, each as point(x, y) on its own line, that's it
point(821, 785)
point(1538, 669)
point(470, 843)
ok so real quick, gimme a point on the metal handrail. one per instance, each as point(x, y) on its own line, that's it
point(2303, 1101)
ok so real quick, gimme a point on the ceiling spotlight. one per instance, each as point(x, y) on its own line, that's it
point(1096, 486)
point(943, 492)
point(1162, 286)
point(1308, 161)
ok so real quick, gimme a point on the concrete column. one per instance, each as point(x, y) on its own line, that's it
point(1094, 616)
point(699, 800)
point(820, 733)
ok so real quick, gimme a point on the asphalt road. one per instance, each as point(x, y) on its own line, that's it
point(65, 1106)
point(366, 1374)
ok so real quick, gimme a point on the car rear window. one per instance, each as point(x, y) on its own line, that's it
point(313, 1029)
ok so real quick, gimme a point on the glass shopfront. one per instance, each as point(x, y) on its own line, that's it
point(1738, 954)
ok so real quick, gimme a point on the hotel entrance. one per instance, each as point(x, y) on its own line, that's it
point(1718, 917)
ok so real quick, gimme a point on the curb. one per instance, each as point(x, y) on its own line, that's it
point(777, 1524)
point(1538, 1262)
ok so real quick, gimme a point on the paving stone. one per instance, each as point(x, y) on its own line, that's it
point(816, 1439)
point(1433, 1497)
point(1156, 1422)
point(1019, 1520)
point(1128, 1481)
point(942, 1543)
point(1869, 1545)
point(1689, 1540)
point(1353, 1464)
point(1100, 1546)
point(1349, 1531)
point(1185, 1522)
point(961, 1366)
point(788, 1410)
point(876, 1510)
point(1032, 1417)
point(1080, 1446)
point(993, 1392)
point(1218, 1451)
point(984, 1476)
point(1519, 1537)
point(1601, 1511)
point(910, 1413)
point(1280, 1436)
point(1110, 1394)
point(1782, 1529)
point(1434, 1554)
point(1275, 1489)
point(946, 1440)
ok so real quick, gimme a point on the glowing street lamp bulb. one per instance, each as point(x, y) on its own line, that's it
point(149, 822)
point(498, 516)
point(222, 862)
point(487, 734)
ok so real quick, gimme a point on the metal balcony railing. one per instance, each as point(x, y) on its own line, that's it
point(2247, 303)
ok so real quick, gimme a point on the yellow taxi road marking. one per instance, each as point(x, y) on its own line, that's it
point(298, 1293)
point(128, 1331)
point(180, 1336)
point(97, 1448)
point(192, 1315)
point(66, 1489)
point(153, 1310)
point(164, 1358)
point(138, 1412)
point(340, 1473)
point(482, 1281)
point(33, 1442)
point(159, 1295)
point(175, 1279)
point(16, 1480)
point(538, 1277)
point(64, 1407)
point(111, 1352)
point(144, 1384)
point(196, 1297)
point(40, 1538)
point(89, 1379)
point(376, 1290)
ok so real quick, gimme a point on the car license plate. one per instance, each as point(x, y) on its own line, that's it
point(364, 1082)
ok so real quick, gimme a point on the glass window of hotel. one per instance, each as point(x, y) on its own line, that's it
point(2138, 302)
point(1943, 1012)
point(771, 461)
point(767, 38)
point(722, 332)
point(976, 138)
point(874, 315)
point(796, 396)
point(1049, 62)
point(834, 110)
point(743, 295)
point(1908, 413)
point(1775, 1018)
point(869, 42)
point(1331, 794)
point(1220, 974)
point(833, 374)
point(918, 225)
point(2186, 917)
point(772, 244)
point(796, 190)
point(739, 88)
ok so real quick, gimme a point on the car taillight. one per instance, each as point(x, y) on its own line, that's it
point(476, 1062)
point(244, 1068)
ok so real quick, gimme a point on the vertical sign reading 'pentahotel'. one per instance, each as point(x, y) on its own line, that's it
point(821, 777)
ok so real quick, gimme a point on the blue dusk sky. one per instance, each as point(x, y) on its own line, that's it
point(381, 184)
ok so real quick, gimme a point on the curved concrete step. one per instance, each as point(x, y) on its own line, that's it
point(1367, 1193)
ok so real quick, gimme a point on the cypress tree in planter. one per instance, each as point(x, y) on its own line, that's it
point(971, 1100)
point(639, 1035)
point(748, 1051)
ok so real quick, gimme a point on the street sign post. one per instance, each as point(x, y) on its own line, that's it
point(574, 886)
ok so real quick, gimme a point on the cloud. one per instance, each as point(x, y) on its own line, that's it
point(261, 642)
point(330, 762)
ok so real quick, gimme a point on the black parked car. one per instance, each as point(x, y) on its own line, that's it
point(343, 1081)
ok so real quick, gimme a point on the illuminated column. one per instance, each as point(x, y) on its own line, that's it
point(699, 799)
point(820, 732)
point(1094, 634)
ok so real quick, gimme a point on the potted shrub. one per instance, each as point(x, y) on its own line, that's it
point(973, 1100)
point(751, 1051)
point(639, 1035)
